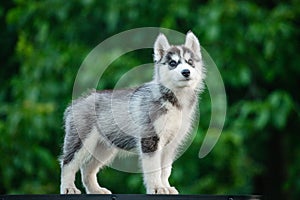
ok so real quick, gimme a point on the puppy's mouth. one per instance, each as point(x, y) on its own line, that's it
point(186, 79)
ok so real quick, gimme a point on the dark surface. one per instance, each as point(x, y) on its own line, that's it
point(130, 197)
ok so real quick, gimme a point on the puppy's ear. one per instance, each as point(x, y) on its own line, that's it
point(192, 42)
point(161, 45)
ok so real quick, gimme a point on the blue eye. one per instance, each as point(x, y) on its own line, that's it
point(173, 63)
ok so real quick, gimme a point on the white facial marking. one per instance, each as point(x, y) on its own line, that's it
point(175, 57)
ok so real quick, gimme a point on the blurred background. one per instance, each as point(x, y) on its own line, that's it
point(255, 45)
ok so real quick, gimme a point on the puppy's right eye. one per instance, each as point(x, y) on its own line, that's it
point(173, 63)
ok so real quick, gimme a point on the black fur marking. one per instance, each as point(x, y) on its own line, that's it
point(169, 57)
point(73, 141)
point(168, 95)
point(122, 141)
point(69, 155)
point(149, 144)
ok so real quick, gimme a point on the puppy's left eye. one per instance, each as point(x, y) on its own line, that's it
point(190, 62)
point(173, 63)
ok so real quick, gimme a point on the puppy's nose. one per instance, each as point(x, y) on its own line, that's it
point(186, 73)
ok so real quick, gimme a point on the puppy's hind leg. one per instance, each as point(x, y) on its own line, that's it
point(68, 173)
point(101, 156)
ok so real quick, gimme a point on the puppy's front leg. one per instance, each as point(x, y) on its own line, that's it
point(151, 163)
point(151, 156)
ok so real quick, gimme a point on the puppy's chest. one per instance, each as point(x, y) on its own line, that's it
point(174, 122)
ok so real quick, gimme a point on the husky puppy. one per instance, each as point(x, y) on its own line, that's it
point(153, 119)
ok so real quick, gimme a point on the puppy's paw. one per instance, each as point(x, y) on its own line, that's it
point(71, 190)
point(162, 190)
point(172, 190)
point(102, 191)
point(99, 190)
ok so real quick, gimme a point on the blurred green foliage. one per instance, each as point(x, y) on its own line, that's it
point(255, 44)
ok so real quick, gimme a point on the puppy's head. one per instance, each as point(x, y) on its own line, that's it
point(181, 66)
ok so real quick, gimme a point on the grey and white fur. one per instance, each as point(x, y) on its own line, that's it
point(153, 119)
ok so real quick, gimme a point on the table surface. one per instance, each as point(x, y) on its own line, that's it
point(129, 197)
